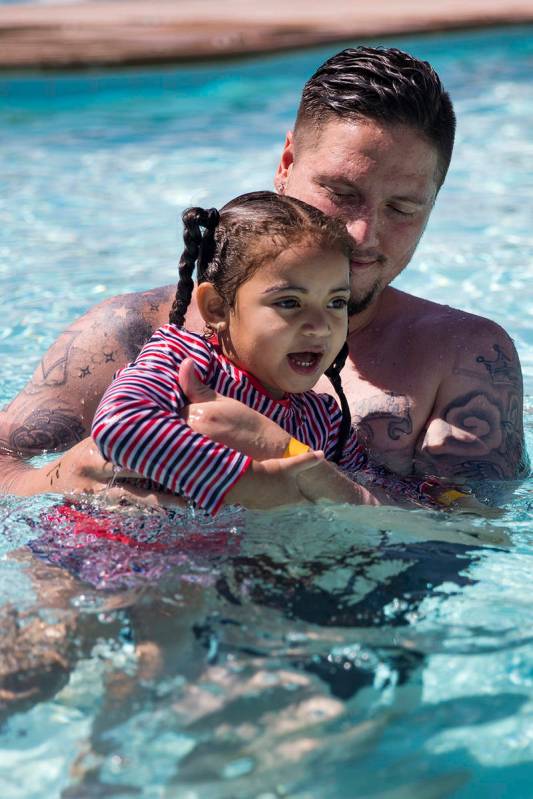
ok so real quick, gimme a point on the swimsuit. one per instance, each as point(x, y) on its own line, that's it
point(138, 424)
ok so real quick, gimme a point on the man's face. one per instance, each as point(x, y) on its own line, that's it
point(381, 180)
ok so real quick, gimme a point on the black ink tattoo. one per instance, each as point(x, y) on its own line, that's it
point(54, 368)
point(54, 371)
point(54, 473)
point(134, 334)
point(397, 426)
point(478, 470)
point(129, 317)
point(513, 447)
point(47, 430)
point(479, 415)
point(109, 357)
point(496, 450)
point(500, 369)
point(396, 419)
point(400, 426)
point(84, 372)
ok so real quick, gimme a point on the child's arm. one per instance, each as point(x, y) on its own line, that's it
point(138, 427)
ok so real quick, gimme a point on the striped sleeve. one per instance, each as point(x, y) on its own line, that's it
point(354, 455)
point(138, 425)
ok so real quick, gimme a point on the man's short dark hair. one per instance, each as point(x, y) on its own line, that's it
point(383, 84)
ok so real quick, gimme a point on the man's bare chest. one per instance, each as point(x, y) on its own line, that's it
point(390, 408)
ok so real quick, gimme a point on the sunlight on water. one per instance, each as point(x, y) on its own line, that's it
point(293, 654)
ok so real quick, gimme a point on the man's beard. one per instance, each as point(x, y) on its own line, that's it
point(360, 305)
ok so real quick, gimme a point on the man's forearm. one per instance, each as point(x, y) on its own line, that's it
point(325, 481)
point(15, 474)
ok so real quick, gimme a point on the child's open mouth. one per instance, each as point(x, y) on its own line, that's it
point(305, 362)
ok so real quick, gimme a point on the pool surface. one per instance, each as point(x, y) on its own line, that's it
point(306, 654)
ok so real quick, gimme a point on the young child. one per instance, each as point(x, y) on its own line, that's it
point(273, 289)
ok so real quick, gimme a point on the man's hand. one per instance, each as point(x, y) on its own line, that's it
point(228, 421)
point(325, 481)
point(83, 470)
point(273, 483)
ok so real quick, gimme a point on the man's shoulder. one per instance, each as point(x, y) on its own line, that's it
point(153, 303)
point(130, 319)
point(442, 325)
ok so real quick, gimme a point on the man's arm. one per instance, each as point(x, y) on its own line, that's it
point(475, 430)
point(55, 409)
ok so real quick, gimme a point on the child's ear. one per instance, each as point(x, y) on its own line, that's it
point(211, 306)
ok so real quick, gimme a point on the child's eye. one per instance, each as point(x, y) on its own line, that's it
point(287, 303)
point(338, 303)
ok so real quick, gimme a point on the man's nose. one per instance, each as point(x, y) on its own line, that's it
point(363, 228)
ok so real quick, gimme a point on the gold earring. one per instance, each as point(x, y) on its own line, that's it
point(215, 329)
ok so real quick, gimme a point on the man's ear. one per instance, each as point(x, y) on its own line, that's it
point(285, 164)
point(211, 306)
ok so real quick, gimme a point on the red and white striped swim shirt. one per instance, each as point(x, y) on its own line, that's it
point(138, 425)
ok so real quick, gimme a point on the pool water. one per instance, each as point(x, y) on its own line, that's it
point(311, 655)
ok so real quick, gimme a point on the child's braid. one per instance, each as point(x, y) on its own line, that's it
point(334, 374)
point(198, 247)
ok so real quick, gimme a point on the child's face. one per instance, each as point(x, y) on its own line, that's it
point(290, 319)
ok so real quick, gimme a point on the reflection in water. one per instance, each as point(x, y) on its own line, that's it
point(242, 655)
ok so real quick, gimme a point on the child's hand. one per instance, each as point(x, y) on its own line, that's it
point(272, 483)
point(228, 421)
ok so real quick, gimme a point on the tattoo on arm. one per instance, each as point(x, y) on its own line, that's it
point(134, 335)
point(53, 369)
point(501, 369)
point(481, 435)
point(47, 429)
point(54, 473)
point(81, 362)
point(134, 329)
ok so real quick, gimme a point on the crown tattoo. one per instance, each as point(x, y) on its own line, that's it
point(500, 369)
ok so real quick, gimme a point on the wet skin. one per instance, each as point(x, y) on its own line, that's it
point(381, 181)
point(432, 388)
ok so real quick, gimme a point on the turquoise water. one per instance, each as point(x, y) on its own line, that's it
point(312, 656)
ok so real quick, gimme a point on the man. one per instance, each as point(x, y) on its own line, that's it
point(433, 389)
